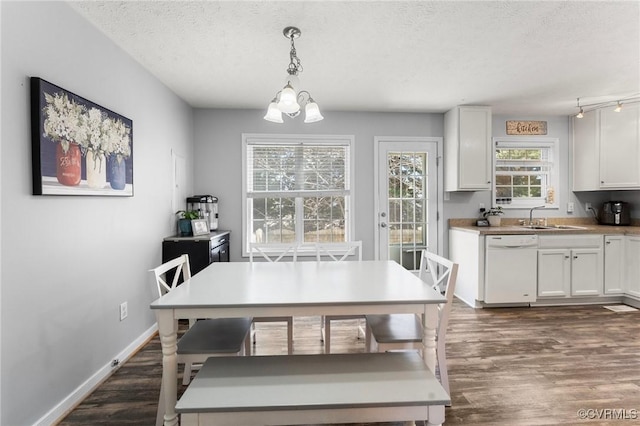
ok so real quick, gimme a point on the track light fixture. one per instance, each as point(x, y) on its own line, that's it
point(290, 99)
point(618, 108)
point(590, 107)
point(581, 112)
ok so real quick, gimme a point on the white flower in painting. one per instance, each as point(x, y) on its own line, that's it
point(62, 122)
point(120, 140)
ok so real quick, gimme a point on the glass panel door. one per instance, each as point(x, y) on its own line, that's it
point(407, 220)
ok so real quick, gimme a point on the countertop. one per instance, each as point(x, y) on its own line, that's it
point(211, 236)
point(511, 227)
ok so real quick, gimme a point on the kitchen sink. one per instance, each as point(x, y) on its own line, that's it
point(555, 227)
point(568, 227)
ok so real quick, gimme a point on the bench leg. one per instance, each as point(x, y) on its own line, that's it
point(290, 336)
point(327, 335)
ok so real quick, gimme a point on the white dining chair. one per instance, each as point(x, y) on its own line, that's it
point(269, 252)
point(204, 337)
point(405, 331)
point(337, 252)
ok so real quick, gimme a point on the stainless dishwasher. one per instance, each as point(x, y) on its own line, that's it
point(510, 268)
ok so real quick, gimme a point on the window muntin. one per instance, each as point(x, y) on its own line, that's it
point(407, 182)
point(297, 188)
point(525, 173)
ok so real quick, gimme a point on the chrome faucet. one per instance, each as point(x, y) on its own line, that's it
point(531, 213)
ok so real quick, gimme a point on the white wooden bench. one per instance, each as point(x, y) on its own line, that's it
point(313, 389)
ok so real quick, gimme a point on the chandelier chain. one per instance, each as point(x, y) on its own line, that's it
point(295, 65)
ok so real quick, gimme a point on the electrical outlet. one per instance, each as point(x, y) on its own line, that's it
point(587, 206)
point(123, 311)
point(570, 207)
point(481, 206)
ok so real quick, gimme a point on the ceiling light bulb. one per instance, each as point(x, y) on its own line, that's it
point(312, 112)
point(288, 100)
point(273, 113)
point(580, 114)
point(618, 108)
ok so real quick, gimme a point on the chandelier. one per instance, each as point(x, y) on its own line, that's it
point(290, 99)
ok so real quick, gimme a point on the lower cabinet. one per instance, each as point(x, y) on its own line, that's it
point(570, 266)
point(632, 249)
point(202, 250)
point(614, 262)
point(554, 273)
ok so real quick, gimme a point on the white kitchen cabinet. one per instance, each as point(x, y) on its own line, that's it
point(467, 250)
point(586, 150)
point(620, 147)
point(467, 149)
point(614, 262)
point(570, 265)
point(606, 149)
point(632, 278)
point(586, 272)
point(554, 273)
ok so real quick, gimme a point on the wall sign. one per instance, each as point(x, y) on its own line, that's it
point(526, 127)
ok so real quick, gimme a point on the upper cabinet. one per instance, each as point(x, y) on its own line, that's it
point(606, 149)
point(467, 149)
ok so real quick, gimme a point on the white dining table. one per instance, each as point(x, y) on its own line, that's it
point(244, 289)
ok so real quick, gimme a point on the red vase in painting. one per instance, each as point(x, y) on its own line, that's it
point(68, 164)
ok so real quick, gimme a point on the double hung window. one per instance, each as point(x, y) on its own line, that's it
point(526, 173)
point(297, 188)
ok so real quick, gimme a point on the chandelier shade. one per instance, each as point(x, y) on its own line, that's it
point(291, 99)
point(288, 100)
point(312, 112)
point(273, 113)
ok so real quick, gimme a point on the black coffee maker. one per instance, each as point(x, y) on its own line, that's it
point(207, 207)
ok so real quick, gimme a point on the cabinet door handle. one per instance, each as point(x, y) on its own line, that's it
point(566, 257)
point(575, 257)
point(608, 242)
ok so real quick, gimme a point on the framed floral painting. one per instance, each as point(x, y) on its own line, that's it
point(78, 147)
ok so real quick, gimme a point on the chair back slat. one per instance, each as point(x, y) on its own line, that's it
point(179, 266)
point(339, 252)
point(273, 252)
point(443, 274)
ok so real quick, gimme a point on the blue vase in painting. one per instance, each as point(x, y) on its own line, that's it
point(117, 175)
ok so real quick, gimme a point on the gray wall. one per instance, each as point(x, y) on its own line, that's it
point(218, 157)
point(68, 262)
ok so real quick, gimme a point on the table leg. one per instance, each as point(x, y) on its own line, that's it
point(168, 332)
point(430, 319)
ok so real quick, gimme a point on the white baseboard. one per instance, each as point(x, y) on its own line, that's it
point(81, 392)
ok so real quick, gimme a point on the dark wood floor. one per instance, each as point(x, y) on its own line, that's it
point(510, 366)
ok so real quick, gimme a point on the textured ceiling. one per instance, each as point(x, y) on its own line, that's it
point(417, 56)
